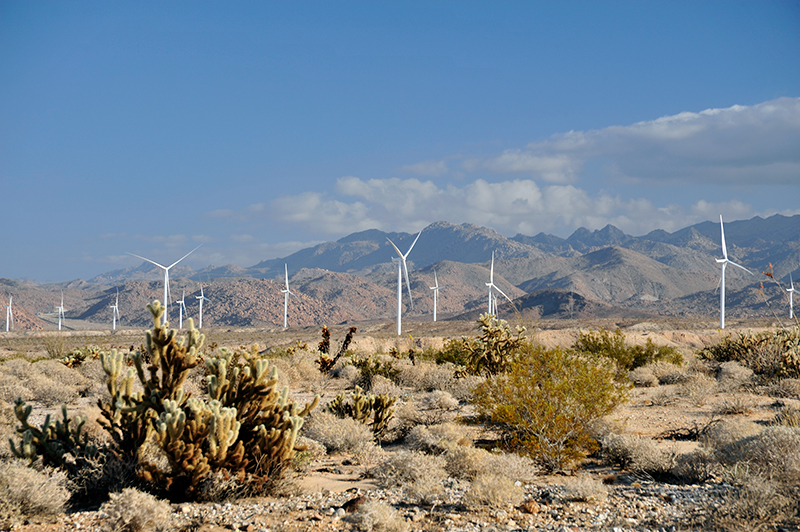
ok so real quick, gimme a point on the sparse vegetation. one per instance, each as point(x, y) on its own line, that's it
point(770, 354)
point(628, 357)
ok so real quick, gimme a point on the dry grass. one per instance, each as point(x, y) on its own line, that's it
point(494, 491)
point(754, 505)
point(26, 492)
point(133, 511)
point(437, 439)
point(584, 488)
point(637, 453)
point(643, 377)
point(377, 516)
point(773, 453)
point(732, 376)
point(337, 435)
point(736, 405)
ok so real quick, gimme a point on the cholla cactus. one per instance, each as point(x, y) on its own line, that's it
point(365, 407)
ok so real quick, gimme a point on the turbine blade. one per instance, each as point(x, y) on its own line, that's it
point(503, 293)
point(408, 284)
point(286, 269)
point(412, 245)
point(395, 248)
point(722, 233)
point(491, 271)
point(147, 260)
point(180, 259)
point(742, 267)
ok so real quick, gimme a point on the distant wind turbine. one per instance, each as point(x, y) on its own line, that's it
point(201, 298)
point(181, 308)
point(286, 293)
point(166, 277)
point(60, 310)
point(490, 284)
point(435, 289)
point(791, 291)
point(115, 311)
point(402, 268)
point(9, 314)
point(724, 261)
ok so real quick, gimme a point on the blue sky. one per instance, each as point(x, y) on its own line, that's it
point(259, 128)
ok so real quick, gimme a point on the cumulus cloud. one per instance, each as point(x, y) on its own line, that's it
point(735, 145)
point(325, 215)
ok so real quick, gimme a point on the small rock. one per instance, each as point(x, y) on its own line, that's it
point(339, 513)
point(529, 507)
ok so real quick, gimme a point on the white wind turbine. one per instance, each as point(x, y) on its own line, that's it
point(166, 277)
point(402, 268)
point(435, 289)
point(60, 309)
point(115, 311)
point(791, 291)
point(490, 284)
point(201, 298)
point(10, 314)
point(724, 261)
point(182, 308)
point(286, 293)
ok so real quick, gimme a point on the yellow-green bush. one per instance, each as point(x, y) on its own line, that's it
point(771, 354)
point(545, 403)
point(612, 345)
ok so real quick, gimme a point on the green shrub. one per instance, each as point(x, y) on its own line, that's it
point(373, 365)
point(769, 354)
point(545, 404)
point(612, 345)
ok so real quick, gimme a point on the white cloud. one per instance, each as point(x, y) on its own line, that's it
point(329, 216)
point(735, 145)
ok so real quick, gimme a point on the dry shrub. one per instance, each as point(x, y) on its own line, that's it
point(48, 381)
point(731, 376)
point(665, 397)
point(726, 432)
point(382, 385)
point(347, 373)
point(583, 488)
point(377, 516)
point(738, 404)
point(643, 377)
point(337, 434)
point(697, 466)
point(788, 416)
point(11, 388)
point(773, 453)
point(26, 492)
point(133, 511)
point(784, 388)
point(427, 377)
point(404, 467)
point(437, 407)
point(667, 373)
point(437, 439)
point(754, 505)
point(300, 372)
point(637, 453)
point(697, 388)
point(468, 463)
point(495, 491)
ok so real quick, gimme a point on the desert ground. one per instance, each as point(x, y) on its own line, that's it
point(648, 474)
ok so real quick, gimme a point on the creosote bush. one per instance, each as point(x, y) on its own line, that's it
point(546, 403)
point(612, 345)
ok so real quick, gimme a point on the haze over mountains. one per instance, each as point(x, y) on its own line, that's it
point(603, 272)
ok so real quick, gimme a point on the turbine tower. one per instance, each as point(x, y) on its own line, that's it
point(115, 312)
point(182, 308)
point(201, 298)
point(791, 291)
point(286, 293)
point(10, 314)
point(402, 268)
point(724, 261)
point(435, 289)
point(60, 309)
point(166, 277)
point(492, 298)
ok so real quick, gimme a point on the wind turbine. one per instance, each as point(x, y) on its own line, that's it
point(182, 308)
point(115, 311)
point(490, 284)
point(60, 309)
point(724, 261)
point(286, 293)
point(402, 268)
point(435, 289)
point(166, 277)
point(791, 291)
point(201, 298)
point(10, 314)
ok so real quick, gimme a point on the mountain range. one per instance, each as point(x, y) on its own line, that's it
point(590, 273)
